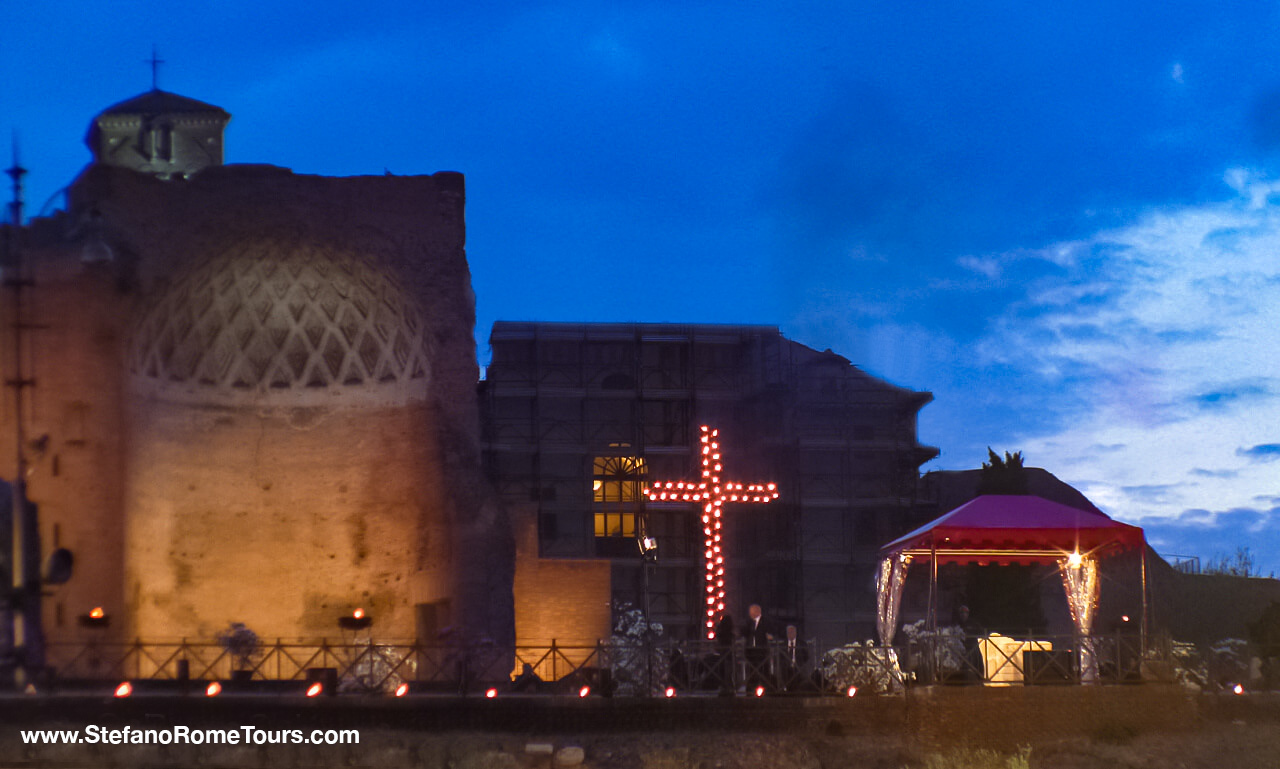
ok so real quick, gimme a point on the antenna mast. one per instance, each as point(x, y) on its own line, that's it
point(26, 534)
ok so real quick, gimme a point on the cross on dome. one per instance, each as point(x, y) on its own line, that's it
point(155, 61)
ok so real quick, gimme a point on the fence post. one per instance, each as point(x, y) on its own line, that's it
point(648, 664)
point(605, 679)
point(554, 668)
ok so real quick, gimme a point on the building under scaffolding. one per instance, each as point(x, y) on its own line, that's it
point(579, 417)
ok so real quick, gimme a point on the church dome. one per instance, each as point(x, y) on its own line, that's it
point(294, 321)
point(160, 133)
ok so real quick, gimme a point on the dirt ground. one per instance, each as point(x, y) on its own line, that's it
point(1215, 746)
point(1068, 729)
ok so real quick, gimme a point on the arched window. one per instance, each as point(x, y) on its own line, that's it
point(616, 481)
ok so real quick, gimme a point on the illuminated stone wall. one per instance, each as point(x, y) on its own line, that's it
point(273, 382)
point(558, 599)
point(283, 519)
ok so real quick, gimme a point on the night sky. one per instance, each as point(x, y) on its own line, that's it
point(1063, 223)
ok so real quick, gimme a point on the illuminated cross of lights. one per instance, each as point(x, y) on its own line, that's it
point(712, 493)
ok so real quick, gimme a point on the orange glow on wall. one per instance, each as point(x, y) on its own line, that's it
point(711, 493)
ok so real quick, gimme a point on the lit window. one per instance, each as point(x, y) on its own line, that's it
point(609, 524)
point(618, 479)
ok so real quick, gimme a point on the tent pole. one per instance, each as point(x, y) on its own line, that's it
point(933, 612)
point(933, 588)
point(1143, 641)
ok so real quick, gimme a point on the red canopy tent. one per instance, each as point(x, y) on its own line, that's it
point(1006, 529)
point(1000, 529)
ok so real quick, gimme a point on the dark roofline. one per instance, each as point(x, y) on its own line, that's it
point(511, 329)
point(157, 102)
point(515, 330)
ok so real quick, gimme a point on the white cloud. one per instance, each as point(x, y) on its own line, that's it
point(1175, 72)
point(1167, 329)
point(988, 266)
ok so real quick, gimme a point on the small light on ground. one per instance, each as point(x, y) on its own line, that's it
point(124, 689)
point(759, 691)
point(670, 692)
point(584, 691)
point(853, 691)
point(213, 689)
point(402, 690)
point(490, 693)
point(315, 689)
point(1238, 689)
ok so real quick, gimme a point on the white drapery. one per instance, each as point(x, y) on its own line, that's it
point(1080, 580)
point(890, 577)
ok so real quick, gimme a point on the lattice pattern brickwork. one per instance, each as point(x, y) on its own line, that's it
point(281, 317)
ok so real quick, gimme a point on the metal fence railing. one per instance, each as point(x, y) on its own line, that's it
point(625, 668)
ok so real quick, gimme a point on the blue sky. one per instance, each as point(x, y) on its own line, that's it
point(1064, 223)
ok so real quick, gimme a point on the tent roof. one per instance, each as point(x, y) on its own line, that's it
point(1015, 529)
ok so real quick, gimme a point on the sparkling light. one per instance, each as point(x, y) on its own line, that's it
point(213, 689)
point(1238, 689)
point(97, 612)
point(124, 689)
point(358, 613)
point(490, 693)
point(315, 689)
point(713, 499)
point(584, 691)
point(402, 690)
point(670, 692)
point(853, 691)
point(759, 691)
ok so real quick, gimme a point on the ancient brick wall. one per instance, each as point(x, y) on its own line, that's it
point(564, 600)
point(280, 507)
point(73, 421)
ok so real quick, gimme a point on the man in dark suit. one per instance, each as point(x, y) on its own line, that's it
point(793, 655)
point(756, 635)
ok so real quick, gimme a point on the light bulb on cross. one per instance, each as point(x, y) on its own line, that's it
point(712, 494)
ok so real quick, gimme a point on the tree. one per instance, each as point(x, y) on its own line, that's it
point(1003, 476)
point(1239, 565)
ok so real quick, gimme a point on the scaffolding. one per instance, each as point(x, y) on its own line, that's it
point(563, 401)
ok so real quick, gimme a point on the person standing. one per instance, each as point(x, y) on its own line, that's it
point(756, 635)
point(792, 656)
point(972, 667)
